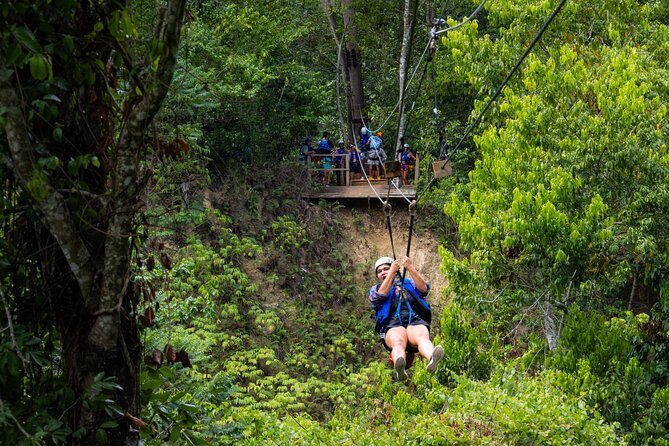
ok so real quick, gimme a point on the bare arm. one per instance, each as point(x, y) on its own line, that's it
point(384, 288)
point(418, 279)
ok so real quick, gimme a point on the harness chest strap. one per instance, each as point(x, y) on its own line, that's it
point(398, 311)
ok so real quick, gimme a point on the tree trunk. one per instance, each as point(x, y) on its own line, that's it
point(86, 264)
point(327, 8)
point(404, 63)
point(356, 99)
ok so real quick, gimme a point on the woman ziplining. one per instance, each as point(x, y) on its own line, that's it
point(403, 316)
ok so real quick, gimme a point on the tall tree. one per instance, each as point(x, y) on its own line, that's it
point(332, 24)
point(568, 203)
point(78, 91)
point(408, 26)
point(355, 98)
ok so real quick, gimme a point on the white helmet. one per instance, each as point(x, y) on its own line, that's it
point(382, 261)
point(364, 130)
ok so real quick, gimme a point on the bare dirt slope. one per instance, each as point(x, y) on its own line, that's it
point(370, 239)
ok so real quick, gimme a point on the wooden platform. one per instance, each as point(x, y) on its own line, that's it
point(364, 191)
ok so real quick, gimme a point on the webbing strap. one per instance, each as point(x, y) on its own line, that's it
point(386, 209)
point(412, 213)
point(398, 311)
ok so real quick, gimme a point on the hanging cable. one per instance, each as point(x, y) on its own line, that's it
point(413, 103)
point(412, 213)
point(397, 104)
point(437, 121)
point(363, 168)
point(478, 119)
point(386, 210)
point(402, 193)
point(451, 28)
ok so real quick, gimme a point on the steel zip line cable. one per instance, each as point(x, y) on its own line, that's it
point(494, 97)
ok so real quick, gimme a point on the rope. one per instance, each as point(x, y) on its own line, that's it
point(413, 103)
point(401, 193)
point(397, 104)
point(412, 213)
point(437, 122)
point(363, 168)
point(473, 14)
point(386, 209)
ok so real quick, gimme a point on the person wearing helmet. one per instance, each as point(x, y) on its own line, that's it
point(402, 315)
point(407, 160)
point(363, 147)
point(364, 138)
point(375, 156)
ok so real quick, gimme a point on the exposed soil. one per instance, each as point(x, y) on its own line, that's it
point(370, 239)
point(367, 239)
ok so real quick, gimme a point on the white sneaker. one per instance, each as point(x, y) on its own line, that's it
point(437, 354)
point(400, 372)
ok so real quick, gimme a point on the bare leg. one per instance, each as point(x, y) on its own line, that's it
point(396, 339)
point(419, 336)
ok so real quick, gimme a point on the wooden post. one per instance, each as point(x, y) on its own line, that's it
point(415, 174)
point(348, 169)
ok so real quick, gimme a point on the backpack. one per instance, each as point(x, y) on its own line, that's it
point(375, 142)
point(324, 146)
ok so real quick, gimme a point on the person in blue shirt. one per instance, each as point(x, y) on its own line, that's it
point(356, 162)
point(325, 147)
point(402, 315)
point(408, 159)
point(340, 162)
point(364, 138)
point(363, 146)
point(375, 155)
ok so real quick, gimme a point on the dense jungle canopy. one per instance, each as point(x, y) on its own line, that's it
point(164, 281)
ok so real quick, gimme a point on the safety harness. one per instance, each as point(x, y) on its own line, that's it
point(400, 301)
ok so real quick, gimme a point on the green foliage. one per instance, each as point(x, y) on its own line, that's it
point(171, 412)
point(618, 367)
point(469, 346)
point(25, 367)
point(566, 204)
point(508, 409)
point(559, 206)
point(250, 77)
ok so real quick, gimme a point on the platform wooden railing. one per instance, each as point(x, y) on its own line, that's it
point(312, 163)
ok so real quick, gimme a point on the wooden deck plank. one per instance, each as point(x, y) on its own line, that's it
point(363, 191)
